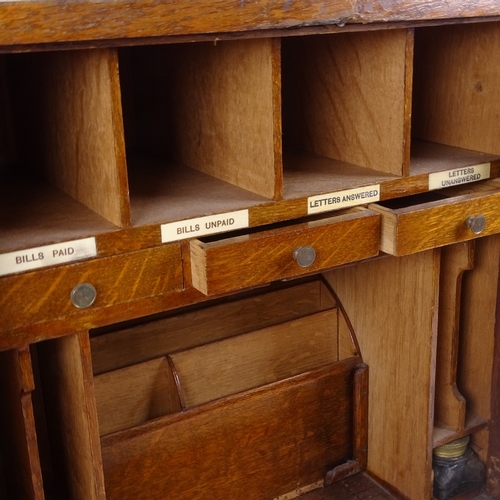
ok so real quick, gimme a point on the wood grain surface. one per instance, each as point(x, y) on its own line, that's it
point(398, 342)
point(18, 440)
point(287, 434)
point(249, 260)
point(32, 22)
point(119, 279)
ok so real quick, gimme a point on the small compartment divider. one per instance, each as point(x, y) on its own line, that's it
point(20, 470)
point(71, 417)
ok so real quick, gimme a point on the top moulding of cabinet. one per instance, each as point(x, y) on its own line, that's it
point(456, 98)
point(202, 127)
point(63, 174)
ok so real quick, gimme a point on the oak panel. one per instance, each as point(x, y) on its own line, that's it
point(420, 225)
point(303, 424)
point(243, 261)
point(45, 294)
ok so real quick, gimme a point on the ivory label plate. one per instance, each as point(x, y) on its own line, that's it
point(47, 255)
point(462, 175)
point(343, 199)
point(203, 226)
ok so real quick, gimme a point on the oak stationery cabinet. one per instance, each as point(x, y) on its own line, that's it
point(247, 249)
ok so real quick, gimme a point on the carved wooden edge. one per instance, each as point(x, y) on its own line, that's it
point(23, 22)
point(360, 429)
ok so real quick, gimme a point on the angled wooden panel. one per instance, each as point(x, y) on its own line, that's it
point(260, 444)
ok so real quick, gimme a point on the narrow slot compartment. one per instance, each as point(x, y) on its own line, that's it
point(287, 381)
point(70, 418)
point(346, 110)
point(463, 382)
point(131, 396)
point(456, 100)
point(20, 471)
point(61, 148)
point(200, 127)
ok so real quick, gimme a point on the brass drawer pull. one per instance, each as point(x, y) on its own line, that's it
point(476, 223)
point(83, 295)
point(304, 256)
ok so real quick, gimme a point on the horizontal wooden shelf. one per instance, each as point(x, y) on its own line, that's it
point(34, 213)
point(443, 434)
point(165, 192)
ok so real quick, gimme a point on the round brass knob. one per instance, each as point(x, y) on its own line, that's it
point(476, 223)
point(83, 295)
point(304, 256)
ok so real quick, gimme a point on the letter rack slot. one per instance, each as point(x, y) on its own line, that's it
point(224, 264)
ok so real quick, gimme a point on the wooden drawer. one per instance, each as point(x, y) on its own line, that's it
point(44, 295)
point(223, 264)
point(439, 218)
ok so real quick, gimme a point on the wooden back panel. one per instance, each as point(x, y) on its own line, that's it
point(240, 363)
point(203, 325)
point(347, 96)
point(456, 93)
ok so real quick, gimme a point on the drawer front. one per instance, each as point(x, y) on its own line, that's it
point(250, 260)
point(429, 225)
point(44, 295)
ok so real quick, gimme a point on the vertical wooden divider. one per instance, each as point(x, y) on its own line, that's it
point(18, 442)
point(66, 374)
point(450, 405)
point(392, 303)
point(83, 140)
point(226, 102)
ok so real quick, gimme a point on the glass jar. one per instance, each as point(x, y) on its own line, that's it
point(457, 469)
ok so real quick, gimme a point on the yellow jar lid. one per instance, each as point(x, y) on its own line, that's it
point(454, 449)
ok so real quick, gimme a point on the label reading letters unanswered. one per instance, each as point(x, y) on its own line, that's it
point(48, 255)
point(203, 226)
point(462, 175)
point(343, 199)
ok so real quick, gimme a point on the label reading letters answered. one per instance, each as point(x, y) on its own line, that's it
point(48, 255)
point(462, 175)
point(343, 199)
point(203, 226)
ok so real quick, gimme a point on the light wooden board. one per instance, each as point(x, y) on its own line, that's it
point(457, 97)
point(133, 395)
point(450, 405)
point(203, 325)
point(83, 134)
point(479, 299)
point(211, 107)
point(345, 96)
point(71, 414)
point(256, 358)
point(392, 304)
